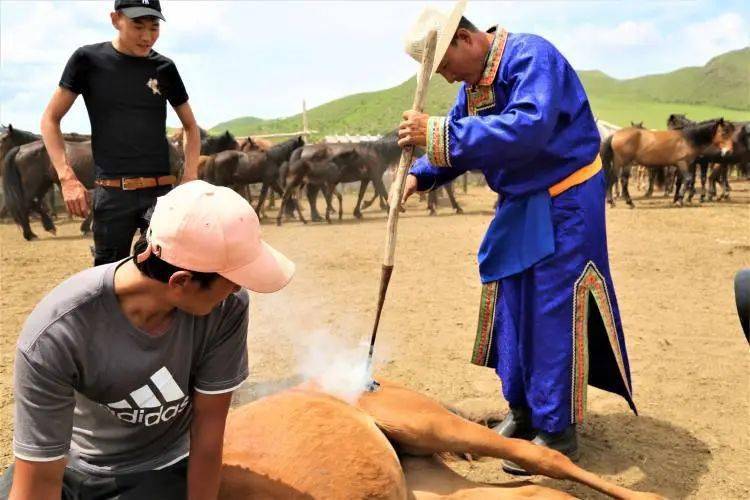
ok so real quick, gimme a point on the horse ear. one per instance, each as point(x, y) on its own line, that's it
point(10, 127)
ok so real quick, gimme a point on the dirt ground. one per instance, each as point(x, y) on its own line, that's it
point(673, 271)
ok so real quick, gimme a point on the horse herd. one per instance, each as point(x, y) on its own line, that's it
point(284, 169)
point(715, 145)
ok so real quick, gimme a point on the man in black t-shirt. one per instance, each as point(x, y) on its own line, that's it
point(125, 85)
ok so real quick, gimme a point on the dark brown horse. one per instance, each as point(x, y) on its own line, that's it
point(662, 148)
point(712, 160)
point(319, 154)
point(324, 166)
point(389, 153)
point(29, 175)
point(13, 137)
point(237, 169)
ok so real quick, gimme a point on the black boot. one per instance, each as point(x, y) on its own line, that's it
point(517, 424)
point(566, 442)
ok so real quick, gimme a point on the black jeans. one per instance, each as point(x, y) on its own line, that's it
point(165, 484)
point(117, 216)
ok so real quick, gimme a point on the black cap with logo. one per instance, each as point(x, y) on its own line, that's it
point(139, 8)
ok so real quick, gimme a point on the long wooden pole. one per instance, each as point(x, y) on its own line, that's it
point(397, 191)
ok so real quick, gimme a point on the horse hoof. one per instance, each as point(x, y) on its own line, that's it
point(278, 222)
point(459, 211)
point(432, 212)
point(358, 215)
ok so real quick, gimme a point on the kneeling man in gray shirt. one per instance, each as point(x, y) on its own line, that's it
point(126, 371)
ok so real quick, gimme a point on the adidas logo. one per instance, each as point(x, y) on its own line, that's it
point(158, 401)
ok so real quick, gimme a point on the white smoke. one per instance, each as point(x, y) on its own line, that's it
point(337, 367)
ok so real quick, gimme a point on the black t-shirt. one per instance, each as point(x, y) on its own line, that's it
point(126, 99)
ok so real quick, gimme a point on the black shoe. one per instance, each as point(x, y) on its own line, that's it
point(566, 442)
point(517, 424)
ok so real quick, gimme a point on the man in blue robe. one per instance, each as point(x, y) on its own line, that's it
point(549, 322)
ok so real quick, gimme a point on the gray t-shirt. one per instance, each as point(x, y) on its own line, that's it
point(91, 386)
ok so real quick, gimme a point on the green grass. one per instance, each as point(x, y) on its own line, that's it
point(720, 88)
point(654, 114)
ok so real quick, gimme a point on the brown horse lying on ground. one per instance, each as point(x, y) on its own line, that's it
point(303, 443)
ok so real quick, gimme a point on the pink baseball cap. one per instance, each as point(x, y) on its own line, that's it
point(211, 229)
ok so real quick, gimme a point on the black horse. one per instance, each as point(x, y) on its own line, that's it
point(212, 144)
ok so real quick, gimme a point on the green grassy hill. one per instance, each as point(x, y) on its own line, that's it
point(720, 88)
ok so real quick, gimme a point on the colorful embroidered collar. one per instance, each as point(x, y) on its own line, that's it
point(494, 57)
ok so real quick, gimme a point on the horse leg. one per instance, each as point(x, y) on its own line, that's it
point(22, 219)
point(624, 182)
point(341, 202)
point(421, 426)
point(711, 183)
point(286, 198)
point(362, 190)
point(432, 202)
point(651, 178)
point(724, 178)
point(452, 198)
point(682, 179)
point(382, 192)
point(717, 180)
point(272, 200)
point(312, 197)
point(42, 210)
point(328, 195)
point(261, 199)
point(368, 203)
point(51, 202)
point(690, 184)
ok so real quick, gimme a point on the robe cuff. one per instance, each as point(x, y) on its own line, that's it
point(438, 141)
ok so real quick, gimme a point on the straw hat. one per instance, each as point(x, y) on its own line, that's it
point(433, 19)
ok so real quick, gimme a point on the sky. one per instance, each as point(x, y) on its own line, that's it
point(262, 58)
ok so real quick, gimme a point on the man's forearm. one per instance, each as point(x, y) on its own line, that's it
point(192, 149)
point(204, 472)
point(37, 480)
point(55, 145)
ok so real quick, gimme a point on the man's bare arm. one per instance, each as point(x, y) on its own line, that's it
point(206, 444)
point(37, 480)
point(74, 193)
point(192, 143)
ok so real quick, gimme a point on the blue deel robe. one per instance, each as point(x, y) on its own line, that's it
point(549, 322)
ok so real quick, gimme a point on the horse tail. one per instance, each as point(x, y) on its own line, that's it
point(13, 188)
point(607, 156)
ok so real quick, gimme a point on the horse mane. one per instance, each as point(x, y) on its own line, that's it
point(700, 134)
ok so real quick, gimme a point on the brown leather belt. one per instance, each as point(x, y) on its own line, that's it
point(132, 183)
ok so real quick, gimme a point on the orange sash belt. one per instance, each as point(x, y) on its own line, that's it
point(578, 177)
